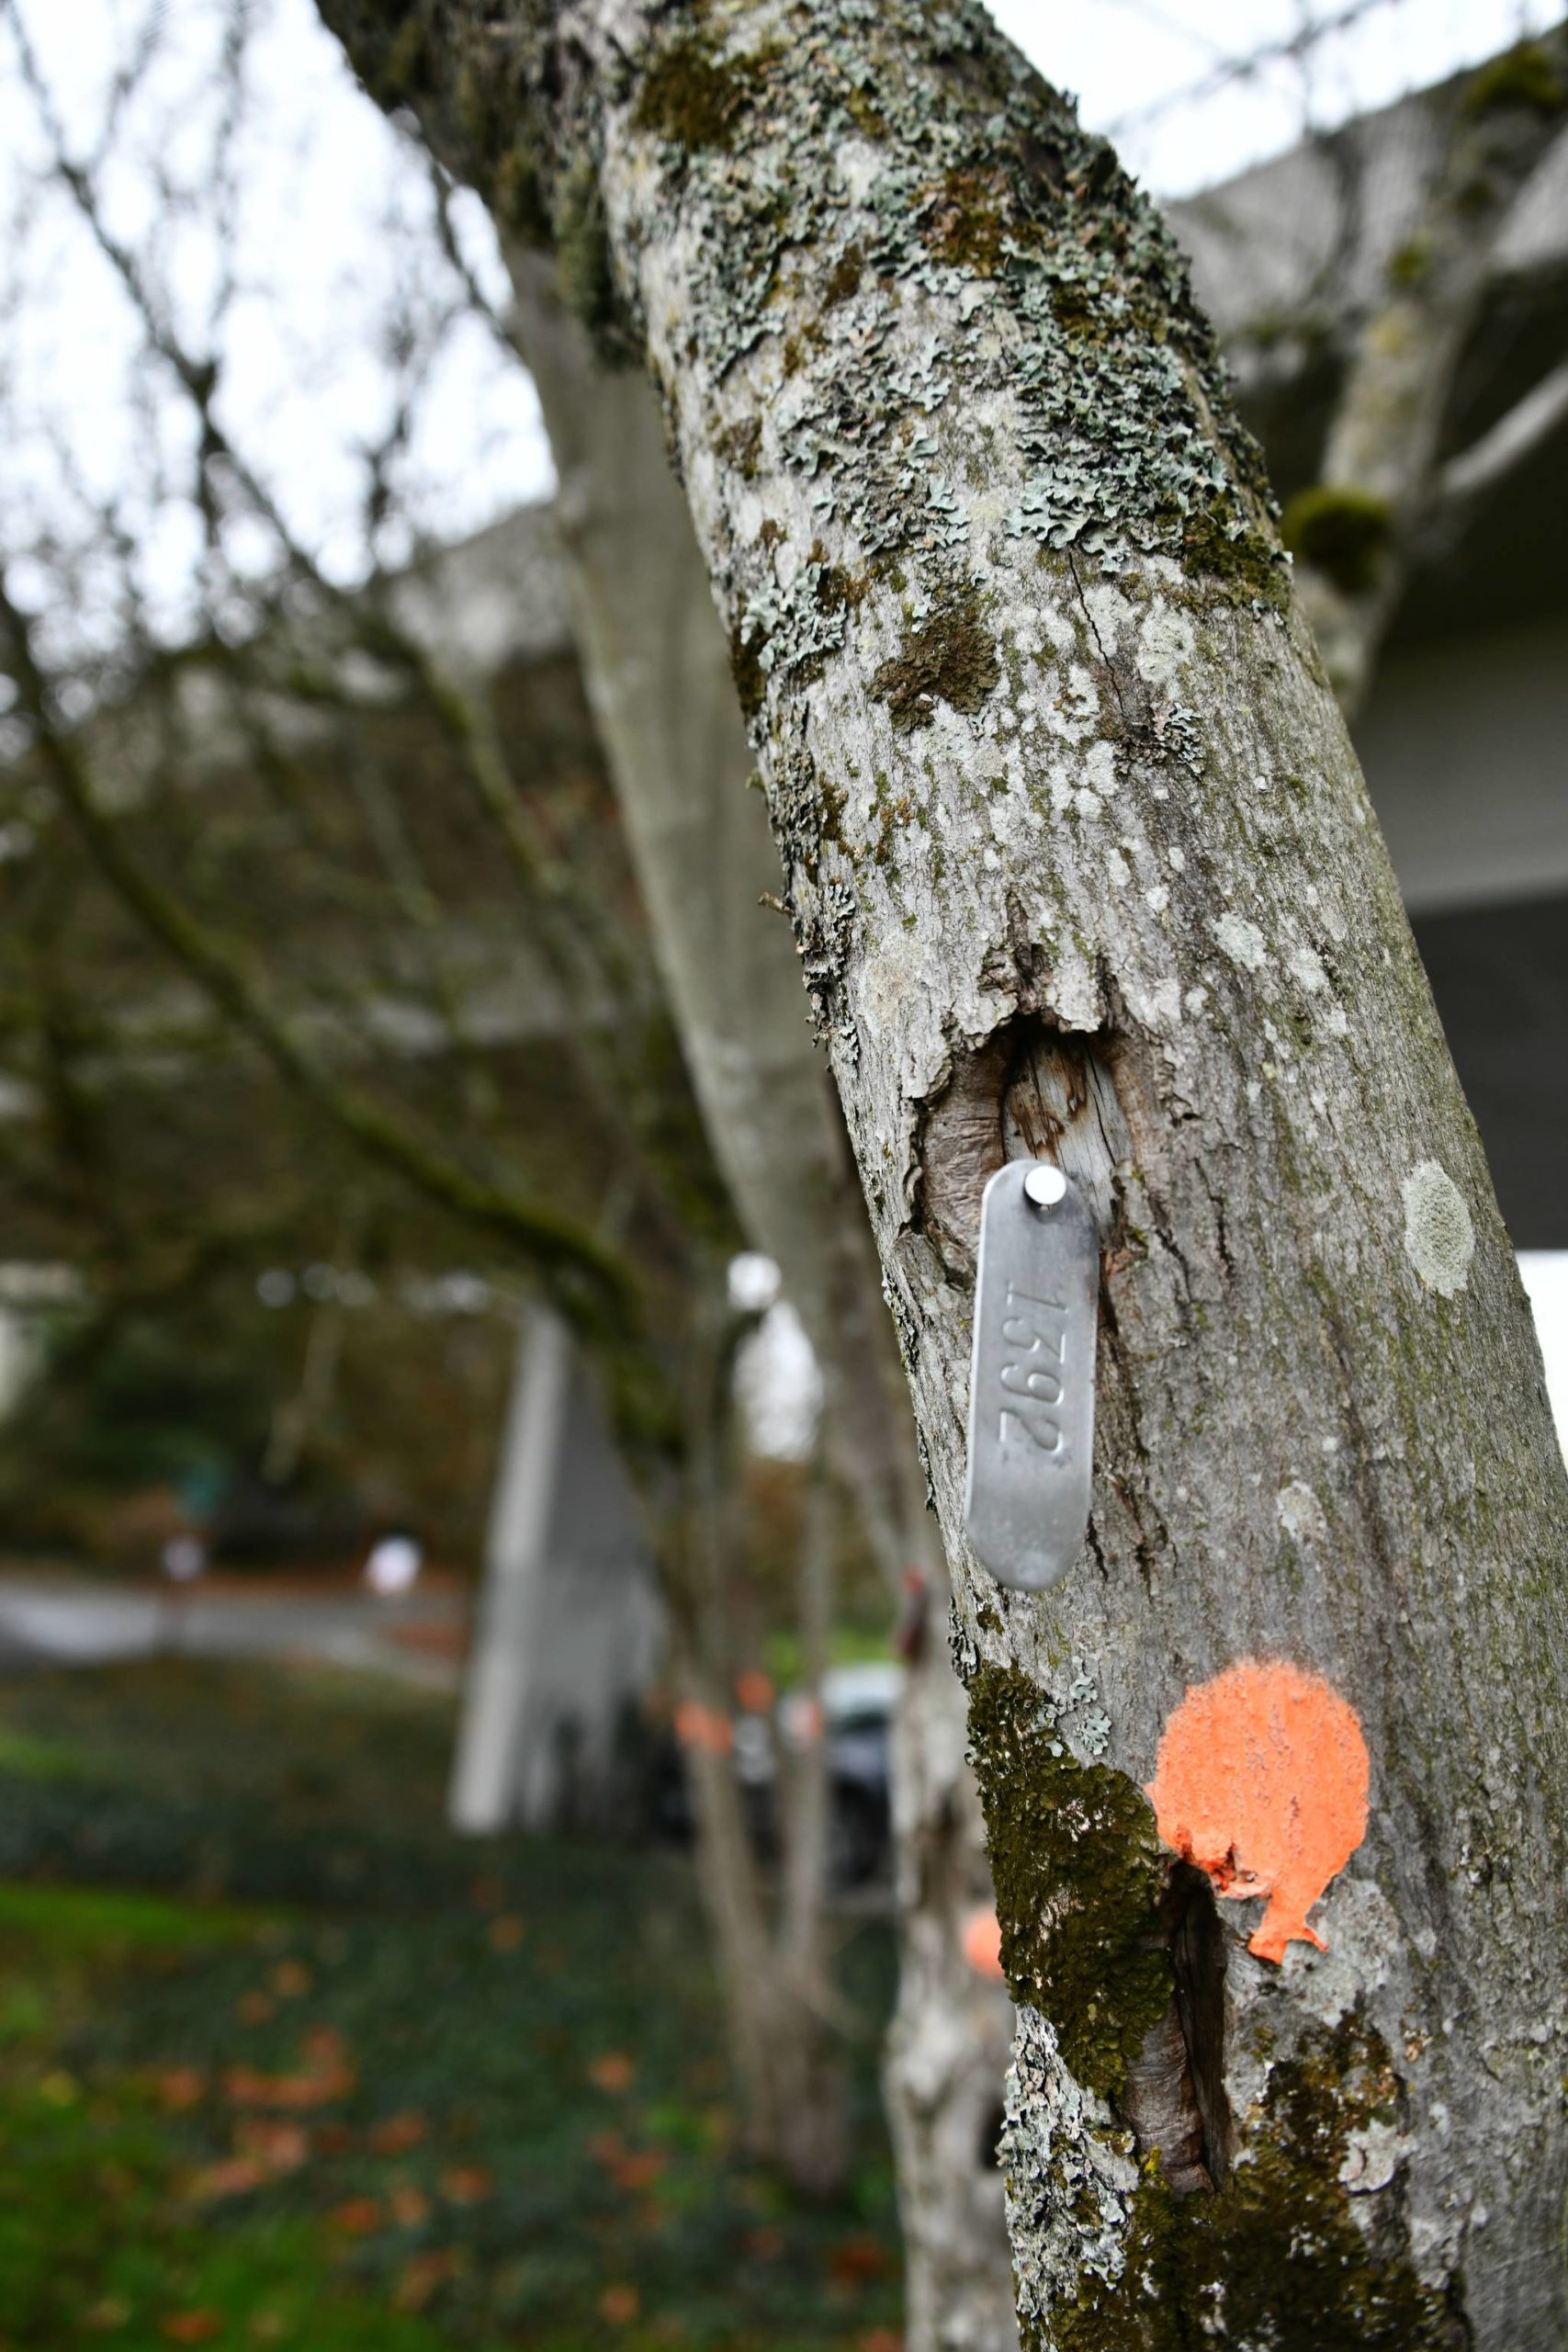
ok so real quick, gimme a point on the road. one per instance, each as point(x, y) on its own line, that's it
point(56, 1619)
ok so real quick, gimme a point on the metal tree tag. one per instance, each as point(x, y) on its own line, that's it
point(1032, 1378)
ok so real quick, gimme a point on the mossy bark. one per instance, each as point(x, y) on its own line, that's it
point(1126, 903)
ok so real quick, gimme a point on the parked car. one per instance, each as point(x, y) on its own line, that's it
point(857, 1704)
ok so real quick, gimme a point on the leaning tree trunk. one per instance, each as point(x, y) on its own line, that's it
point(1080, 859)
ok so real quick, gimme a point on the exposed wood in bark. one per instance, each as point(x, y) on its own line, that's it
point(1049, 752)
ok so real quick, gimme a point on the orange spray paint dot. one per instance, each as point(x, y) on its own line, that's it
point(982, 1940)
point(1261, 1782)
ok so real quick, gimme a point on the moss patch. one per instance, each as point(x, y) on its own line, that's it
point(1276, 2256)
point(1076, 1861)
point(695, 96)
point(1343, 532)
point(1526, 75)
point(949, 658)
point(746, 643)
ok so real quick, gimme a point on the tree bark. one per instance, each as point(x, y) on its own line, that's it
point(1079, 859)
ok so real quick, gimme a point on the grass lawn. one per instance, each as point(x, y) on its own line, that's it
point(281, 2063)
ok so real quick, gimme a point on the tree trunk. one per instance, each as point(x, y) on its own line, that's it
point(1080, 859)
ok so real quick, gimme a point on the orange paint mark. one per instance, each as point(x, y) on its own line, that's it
point(982, 1941)
point(754, 1690)
point(704, 1727)
point(1261, 1782)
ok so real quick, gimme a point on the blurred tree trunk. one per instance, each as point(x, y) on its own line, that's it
point(659, 672)
point(1080, 859)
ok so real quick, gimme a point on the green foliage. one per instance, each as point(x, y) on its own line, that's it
point(1343, 532)
point(1526, 75)
point(419, 2094)
point(1076, 1862)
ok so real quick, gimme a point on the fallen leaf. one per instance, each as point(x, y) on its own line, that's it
point(236, 2176)
point(419, 2279)
point(613, 2071)
point(357, 2216)
point(280, 2147)
point(397, 2136)
point(856, 2260)
point(619, 2305)
point(411, 2207)
point(290, 1980)
point(880, 2339)
point(467, 2183)
point(764, 2245)
point(192, 2327)
point(254, 2008)
point(506, 1933)
point(180, 2087)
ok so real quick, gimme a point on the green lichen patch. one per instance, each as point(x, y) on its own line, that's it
point(1076, 1862)
point(695, 96)
point(1526, 75)
point(1276, 2256)
point(948, 658)
point(1343, 531)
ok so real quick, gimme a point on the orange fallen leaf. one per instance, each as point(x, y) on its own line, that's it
point(234, 2176)
point(619, 2305)
point(191, 2327)
point(506, 1933)
point(856, 2260)
point(880, 2339)
point(411, 2207)
point(613, 2071)
point(467, 2183)
point(280, 2147)
point(254, 2008)
point(764, 2245)
point(180, 2087)
point(290, 1980)
point(397, 2136)
point(419, 2279)
point(357, 2216)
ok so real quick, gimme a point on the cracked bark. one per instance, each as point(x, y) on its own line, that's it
point(917, 337)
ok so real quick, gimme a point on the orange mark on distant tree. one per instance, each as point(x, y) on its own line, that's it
point(982, 1941)
point(1261, 1782)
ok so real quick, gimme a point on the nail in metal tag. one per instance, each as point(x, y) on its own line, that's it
point(1032, 1378)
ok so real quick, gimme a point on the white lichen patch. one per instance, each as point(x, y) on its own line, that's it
point(1164, 646)
point(1440, 1239)
point(1300, 1513)
point(1307, 967)
point(1241, 941)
